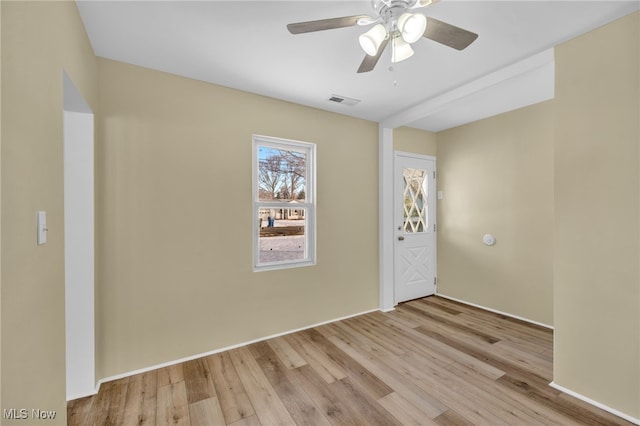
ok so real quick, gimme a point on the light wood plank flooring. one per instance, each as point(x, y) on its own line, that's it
point(430, 362)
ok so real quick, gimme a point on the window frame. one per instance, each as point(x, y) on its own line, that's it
point(309, 204)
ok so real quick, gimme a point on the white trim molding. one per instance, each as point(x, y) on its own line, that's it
point(595, 403)
point(535, 83)
point(385, 230)
point(79, 241)
point(495, 311)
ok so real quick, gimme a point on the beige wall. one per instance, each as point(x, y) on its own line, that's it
point(497, 178)
point(596, 276)
point(174, 219)
point(39, 40)
point(416, 141)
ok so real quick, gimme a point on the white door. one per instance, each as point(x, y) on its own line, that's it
point(414, 219)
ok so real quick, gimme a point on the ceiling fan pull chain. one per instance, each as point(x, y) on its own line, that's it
point(392, 69)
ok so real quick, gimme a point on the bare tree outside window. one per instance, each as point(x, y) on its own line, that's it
point(269, 175)
point(294, 164)
point(281, 174)
point(283, 204)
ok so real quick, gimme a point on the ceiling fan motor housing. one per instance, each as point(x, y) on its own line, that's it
point(390, 10)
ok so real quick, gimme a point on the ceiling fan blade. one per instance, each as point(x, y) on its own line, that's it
point(448, 34)
point(369, 62)
point(325, 24)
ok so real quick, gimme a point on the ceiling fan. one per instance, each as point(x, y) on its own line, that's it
point(396, 23)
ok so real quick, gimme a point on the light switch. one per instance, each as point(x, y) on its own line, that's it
point(42, 227)
point(440, 195)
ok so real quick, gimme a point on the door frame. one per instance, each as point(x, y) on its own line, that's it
point(433, 198)
point(79, 242)
point(386, 231)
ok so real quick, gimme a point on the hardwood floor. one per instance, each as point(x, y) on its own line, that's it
point(430, 362)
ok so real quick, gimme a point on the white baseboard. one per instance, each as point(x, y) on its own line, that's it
point(82, 395)
point(215, 351)
point(595, 403)
point(496, 311)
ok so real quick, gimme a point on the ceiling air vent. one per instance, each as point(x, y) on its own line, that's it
point(344, 100)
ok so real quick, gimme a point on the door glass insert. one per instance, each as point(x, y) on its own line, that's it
point(415, 200)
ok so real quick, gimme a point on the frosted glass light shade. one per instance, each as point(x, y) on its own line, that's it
point(412, 26)
point(401, 50)
point(372, 39)
point(377, 4)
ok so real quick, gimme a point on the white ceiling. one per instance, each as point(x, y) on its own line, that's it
point(245, 45)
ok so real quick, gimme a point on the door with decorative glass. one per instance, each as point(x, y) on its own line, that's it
point(415, 226)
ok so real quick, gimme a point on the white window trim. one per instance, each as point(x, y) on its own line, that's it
point(309, 204)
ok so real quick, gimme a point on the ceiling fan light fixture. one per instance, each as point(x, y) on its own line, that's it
point(412, 26)
point(372, 39)
point(393, 22)
point(401, 50)
point(378, 4)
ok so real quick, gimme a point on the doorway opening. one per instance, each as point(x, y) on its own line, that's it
point(78, 130)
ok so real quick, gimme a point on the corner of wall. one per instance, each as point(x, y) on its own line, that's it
point(416, 141)
point(597, 240)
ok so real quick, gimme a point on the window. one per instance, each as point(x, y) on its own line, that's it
point(284, 206)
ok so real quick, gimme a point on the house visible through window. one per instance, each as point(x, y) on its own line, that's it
point(284, 203)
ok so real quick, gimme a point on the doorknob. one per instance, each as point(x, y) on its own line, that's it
point(400, 238)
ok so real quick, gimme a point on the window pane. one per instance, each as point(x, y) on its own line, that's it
point(282, 235)
point(415, 200)
point(281, 174)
